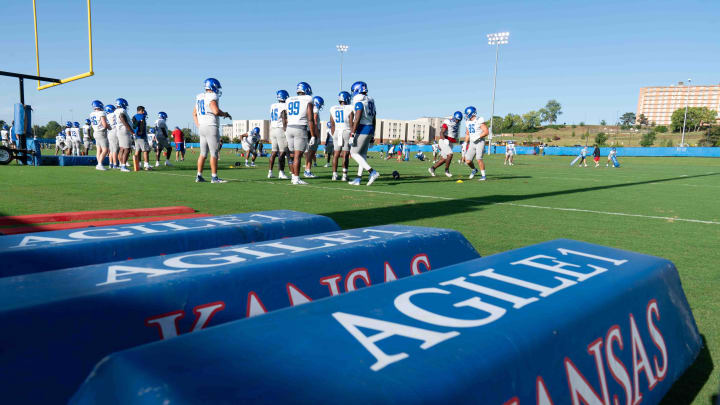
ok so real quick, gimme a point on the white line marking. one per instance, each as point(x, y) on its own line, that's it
point(435, 197)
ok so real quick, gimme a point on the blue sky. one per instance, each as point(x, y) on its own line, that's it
point(419, 58)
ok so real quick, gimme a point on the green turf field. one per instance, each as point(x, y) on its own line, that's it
point(666, 207)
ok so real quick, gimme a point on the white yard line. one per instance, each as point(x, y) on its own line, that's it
point(358, 189)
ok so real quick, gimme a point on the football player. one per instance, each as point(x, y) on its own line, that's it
point(76, 139)
point(362, 132)
point(329, 145)
point(249, 142)
point(123, 132)
point(300, 124)
point(476, 133)
point(311, 149)
point(448, 137)
point(100, 125)
point(113, 144)
point(278, 125)
point(140, 133)
point(152, 140)
point(341, 116)
point(87, 143)
point(161, 137)
point(206, 115)
point(509, 153)
point(5, 135)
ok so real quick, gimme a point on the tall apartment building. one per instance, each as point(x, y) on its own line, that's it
point(659, 102)
point(227, 130)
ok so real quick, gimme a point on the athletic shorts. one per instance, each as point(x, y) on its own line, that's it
point(209, 140)
point(101, 139)
point(596, 158)
point(113, 143)
point(124, 137)
point(87, 143)
point(142, 145)
point(248, 147)
point(297, 137)
point(180, 147)
point(162, 142)
point(278, 140)
point(445, 148)
point(329, 148)
point(475, 151)
point(360, 144)
point(341, 138)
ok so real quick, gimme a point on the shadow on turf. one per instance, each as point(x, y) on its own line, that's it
point(691, 382)
point(440, 208)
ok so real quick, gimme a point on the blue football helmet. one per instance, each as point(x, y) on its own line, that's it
point(359, 88)
point(457, 116)
point(329, 125)
point(282, 95)
point(121, 103)
point(214, 85)
point(344, 97)
point(318, 102)
point(5, 127)
point(151, 130)
point(162, 115)
point(109, 109)
point(68, 124)
point(303, 87)
point(470, 112)
point(87, 121)
point(76, 124)
point(255, 131)
point(97, 104)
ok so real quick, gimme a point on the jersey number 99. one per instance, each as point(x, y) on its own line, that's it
point(294, 108)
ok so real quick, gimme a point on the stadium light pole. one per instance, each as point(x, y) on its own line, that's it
point(342, 49)
point(687, 102)
point(497, 39)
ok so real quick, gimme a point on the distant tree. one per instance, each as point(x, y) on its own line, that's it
point(603, 122)
point(648, 139)
point(513, 123)
point(697, 118)
point(531, 119)
point(601, 138)
point(627, 119)
point(711, 137)
point(642, 120)
point(582, 123)
point(498, 125)
point(2, 123)
point(51, 129)
point(661, 129)
point(551, 111)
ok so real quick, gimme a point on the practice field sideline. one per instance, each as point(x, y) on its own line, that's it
point(660, 206)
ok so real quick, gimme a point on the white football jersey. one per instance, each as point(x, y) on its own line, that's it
point(341, 115)
point(368, 108)
point(96, 120)
point(160, 125)
point(453, 128)
point(86, 131)
point(204, 113)
point(119, 112)
point(59, 138)
point(112, 120)
point(4, 134)
point(297, 110)
point(68, 134)
point(473, 128)
point(75, 133)
point(276, 110)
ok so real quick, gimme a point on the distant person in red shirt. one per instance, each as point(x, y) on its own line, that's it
point(179, 144)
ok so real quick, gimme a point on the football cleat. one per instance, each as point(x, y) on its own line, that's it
point(473, 173)
point(199, 179)
point(373, 176)
point(431, 171)
point(217, 180)
point(448, 174)
point(355, 182)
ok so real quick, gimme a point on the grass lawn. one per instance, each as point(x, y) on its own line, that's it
point(668, 207)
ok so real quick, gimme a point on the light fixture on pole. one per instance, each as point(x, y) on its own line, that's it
point(342, 49)
point(497, 39)
point(687, 102)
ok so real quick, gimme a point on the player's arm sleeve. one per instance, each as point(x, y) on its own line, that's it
point(359, 106)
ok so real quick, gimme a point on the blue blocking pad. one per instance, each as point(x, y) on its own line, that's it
point(558, 322)
point(43, 251)
point(57, 325)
